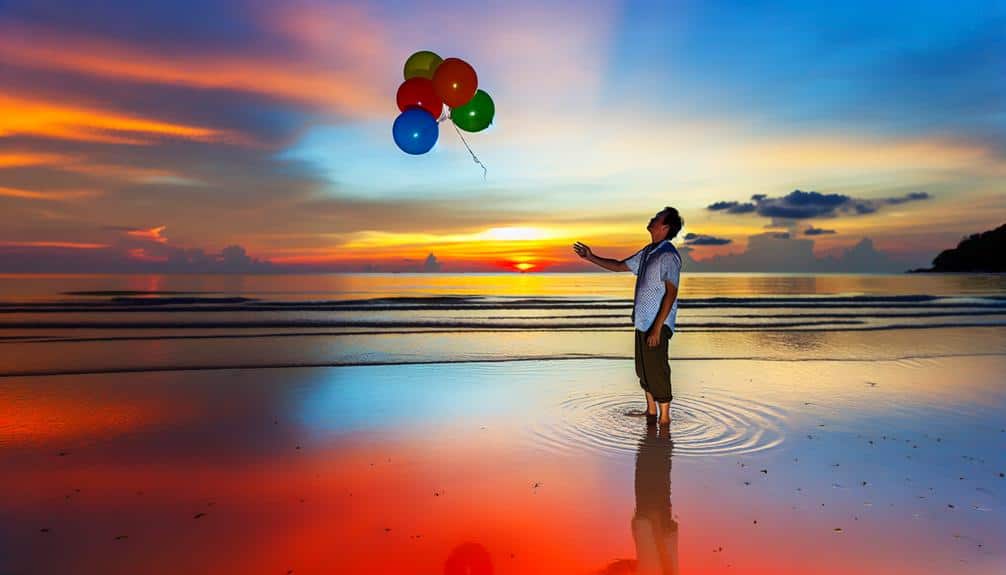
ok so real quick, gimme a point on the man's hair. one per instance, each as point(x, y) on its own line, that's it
point(673, 220)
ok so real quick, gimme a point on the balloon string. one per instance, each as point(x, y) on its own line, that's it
point(474, 157)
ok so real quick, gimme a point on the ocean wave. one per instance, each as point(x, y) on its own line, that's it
point(449, 361)
point(375, 324)
point(531, 329)
point(232, 304)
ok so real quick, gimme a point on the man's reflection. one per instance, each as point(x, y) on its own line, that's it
point(653, 528)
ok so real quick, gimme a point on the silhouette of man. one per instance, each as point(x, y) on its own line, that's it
point(655, 305)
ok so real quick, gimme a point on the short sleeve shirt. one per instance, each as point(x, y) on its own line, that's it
point(658, 263)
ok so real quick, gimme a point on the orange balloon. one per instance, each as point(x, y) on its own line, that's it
point(455, 82)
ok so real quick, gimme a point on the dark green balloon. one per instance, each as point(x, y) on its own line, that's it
point(476, 115)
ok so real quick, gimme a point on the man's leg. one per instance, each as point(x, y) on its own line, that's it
point(651, 404)
point(662, 385)
point(640, 350)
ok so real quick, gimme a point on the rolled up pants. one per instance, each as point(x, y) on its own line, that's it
point(652, 366)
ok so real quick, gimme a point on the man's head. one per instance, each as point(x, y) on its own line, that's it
point(665, 224)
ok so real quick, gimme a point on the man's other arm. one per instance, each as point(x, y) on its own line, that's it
point(670, 294)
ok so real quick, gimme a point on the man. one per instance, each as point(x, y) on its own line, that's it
point(655, 304)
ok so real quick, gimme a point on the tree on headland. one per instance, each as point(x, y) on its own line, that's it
point(981, 253)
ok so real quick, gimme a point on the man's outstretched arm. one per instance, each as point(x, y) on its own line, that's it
point(609, 264)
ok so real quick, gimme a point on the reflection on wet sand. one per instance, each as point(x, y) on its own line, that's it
point(515, 469)
point(469, 559)
point(654, 529)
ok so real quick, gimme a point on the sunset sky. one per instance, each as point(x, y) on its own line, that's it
point(237, 135)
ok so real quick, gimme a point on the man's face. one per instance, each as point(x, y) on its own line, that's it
point(656, 223)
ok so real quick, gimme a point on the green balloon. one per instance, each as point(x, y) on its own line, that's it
point(476, 115)
point(422, 64)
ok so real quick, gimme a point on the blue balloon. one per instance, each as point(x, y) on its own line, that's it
point(415, 131)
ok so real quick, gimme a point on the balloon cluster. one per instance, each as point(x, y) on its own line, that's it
point(431, 84)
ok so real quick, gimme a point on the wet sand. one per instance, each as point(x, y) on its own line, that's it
point(891, 465)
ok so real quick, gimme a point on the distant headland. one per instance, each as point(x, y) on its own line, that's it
point(977, 253)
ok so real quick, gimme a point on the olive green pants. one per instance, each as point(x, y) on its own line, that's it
point(652, 366)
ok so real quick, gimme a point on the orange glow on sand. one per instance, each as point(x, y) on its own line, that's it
point(65, 419)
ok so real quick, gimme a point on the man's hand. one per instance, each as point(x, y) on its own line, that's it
point(611, 265)
point(653, 336)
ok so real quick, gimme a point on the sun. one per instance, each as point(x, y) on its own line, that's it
point(524, 266)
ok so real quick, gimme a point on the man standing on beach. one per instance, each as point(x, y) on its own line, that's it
point(658, 270)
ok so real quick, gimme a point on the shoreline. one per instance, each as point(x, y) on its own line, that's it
point(526, 359)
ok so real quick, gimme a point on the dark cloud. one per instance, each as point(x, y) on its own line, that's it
point(773, 252)
point(431, 264)
point(801, 205)
point(704, 240)
point(732, 207)
point(908, 198)
point(234, 259)
point(812, 231)
point(130, 256)
point(150, 24)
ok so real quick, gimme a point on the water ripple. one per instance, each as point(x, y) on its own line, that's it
point(713, 423)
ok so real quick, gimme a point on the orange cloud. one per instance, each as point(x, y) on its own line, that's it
point(54, 195)
point(139, 254)
point(152, 234)
point(35, 117)
point(26, 159)
point(341, 89)
point(67, 245)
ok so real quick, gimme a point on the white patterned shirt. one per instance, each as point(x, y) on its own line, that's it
point(662, 263)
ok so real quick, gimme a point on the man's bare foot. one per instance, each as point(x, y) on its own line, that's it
point(640, 413)
point(665, 413)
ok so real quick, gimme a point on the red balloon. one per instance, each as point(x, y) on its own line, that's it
point(455, 82)
point(419, 93)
